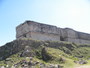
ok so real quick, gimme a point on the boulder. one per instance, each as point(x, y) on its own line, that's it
point(27, 52)
point(45, 55)
point(82, 62)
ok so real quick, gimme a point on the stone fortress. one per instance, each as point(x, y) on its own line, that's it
point(39, 31)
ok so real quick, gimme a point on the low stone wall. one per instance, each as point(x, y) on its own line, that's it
point(78, 41)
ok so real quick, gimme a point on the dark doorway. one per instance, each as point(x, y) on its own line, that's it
point(24, 35)
point(61, 38)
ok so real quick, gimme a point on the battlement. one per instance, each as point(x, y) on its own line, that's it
point(39, 31)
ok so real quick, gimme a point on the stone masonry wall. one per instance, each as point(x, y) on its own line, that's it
point(38, 31)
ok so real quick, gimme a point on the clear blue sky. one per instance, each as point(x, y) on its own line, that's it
point(62, 13)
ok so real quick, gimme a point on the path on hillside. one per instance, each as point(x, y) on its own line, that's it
point(84, 66)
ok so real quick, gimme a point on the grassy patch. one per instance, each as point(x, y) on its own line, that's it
point(63, 53)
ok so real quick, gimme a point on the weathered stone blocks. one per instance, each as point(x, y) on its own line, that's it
point(38, 31)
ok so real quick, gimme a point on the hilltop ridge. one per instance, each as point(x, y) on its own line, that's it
point(47, 52)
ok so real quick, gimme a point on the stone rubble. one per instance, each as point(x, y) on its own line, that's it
point(32, 64)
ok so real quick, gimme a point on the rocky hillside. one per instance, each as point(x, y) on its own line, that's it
point(27, 53)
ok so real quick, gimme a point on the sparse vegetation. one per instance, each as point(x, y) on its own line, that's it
point(47, 52)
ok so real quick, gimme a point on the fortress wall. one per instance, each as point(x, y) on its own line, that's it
point(22, 29)
point(62, 32)
point(44, 36)
point(40, 31)
point(82, 41)
point(83, 36)
point(73, 40)
point(33, 26)
point(38, 27)
point(77, 37)
point(78, 41)
point(71, 33)
point(46, 31)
